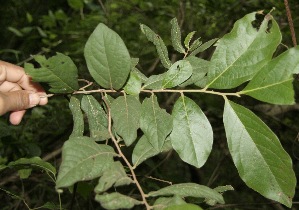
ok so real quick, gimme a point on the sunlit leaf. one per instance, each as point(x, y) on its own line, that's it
point(192, 134)
point(97, 118)
point(261, 161)
point(107, 58)
point(115, 175)
point(241, 53)
point(176, 36)
point(155, 122)
point(59, 72)
point(125, 112)
point(189, 190)
point(116, 201)
point(273, 83)
point(83, 159)
point(75, 107)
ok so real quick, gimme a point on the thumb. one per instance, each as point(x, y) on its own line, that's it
point(17, 100)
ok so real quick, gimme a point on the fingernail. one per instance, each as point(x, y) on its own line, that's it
point(34, 99)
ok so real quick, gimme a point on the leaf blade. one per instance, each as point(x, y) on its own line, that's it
point(176, 38)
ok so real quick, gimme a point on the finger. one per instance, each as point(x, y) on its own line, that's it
point(16, 117)
point(9, 87)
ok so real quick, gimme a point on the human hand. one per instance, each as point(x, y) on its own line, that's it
point(18, 92)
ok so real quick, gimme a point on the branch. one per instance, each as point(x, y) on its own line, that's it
point(291, 24)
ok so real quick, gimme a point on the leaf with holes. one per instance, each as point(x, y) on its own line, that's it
point(59, 72)
point(261, 161)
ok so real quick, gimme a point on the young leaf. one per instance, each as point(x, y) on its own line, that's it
point(35, 162)
point(203, 47)
point(133, 85)
point(273, 83)
point(189, 190)
point(163, 202)
point(125, 112)
point(80, 155)
point(97, 118)
point(192, 134)
point(158, 42)
point(243, 52)
point(199, 70)
point(178, 73)
point(188, 39)
point(116, 201)
point(75, 107)
point(107, 58)
point(154, 82)
point(261, 161)
point(176, 36)
point(115, 175)
point(59, 72)
point(155, 122)
point(144, 150)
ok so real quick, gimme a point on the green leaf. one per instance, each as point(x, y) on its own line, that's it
point(115, 175)
point(192, 134)
point(75, 107)
point(133, 85)
point(34, 162)
point(220, 189)
point(58, 71)
point(24, 173)
point(125, 112)
point(178, 73)
point(202, 47)
point(154, 82)
point(188, 39)
point(107, 58)
point(199, 68)
point(273, 83)
point(155, 122)
point(144, 150)
point(97, 118)
point(176, 36)
point(195, 44)
point(80, 155)
point(186, 206)
point(241, 53)
point(49, 205)
point(163, 202)
point(261, 161)
point(158, 42)
point(189, 190)
point(116, 201)
point(76, 4)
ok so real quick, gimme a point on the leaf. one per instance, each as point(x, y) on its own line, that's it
point(187, 206)
point(144, 150)
point(154, 82)
point(34, 162)
point(76, 4)
point(58, 71)
point(155, 122)
point(176, 36)
point(163, 202)
point(195, 44)
point(125, 112)
point(133, 85)
point(199, 70)
point(75, 107)
point(116, 201)
point(189, 190)
point(158, 42)
point(241, 53)
point(178, 73)
point(24, 173)
point(261, 161)
point(115, 175)
point(188, 39)
point(97, 118)
point(107, 58)
point(202, 47)
point(48, 205)
point(273, 83)
point(220, 189)
point(192, 134)
point(83, 159)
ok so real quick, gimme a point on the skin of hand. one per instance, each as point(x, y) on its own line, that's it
point(18, 92)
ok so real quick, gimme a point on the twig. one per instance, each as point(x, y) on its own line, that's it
point(291, 24)
point(143, 195)
point(103, 6)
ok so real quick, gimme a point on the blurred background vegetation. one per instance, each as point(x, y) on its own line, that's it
point(45, 27)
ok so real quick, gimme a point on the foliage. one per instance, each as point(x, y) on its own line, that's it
point(131, 112)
